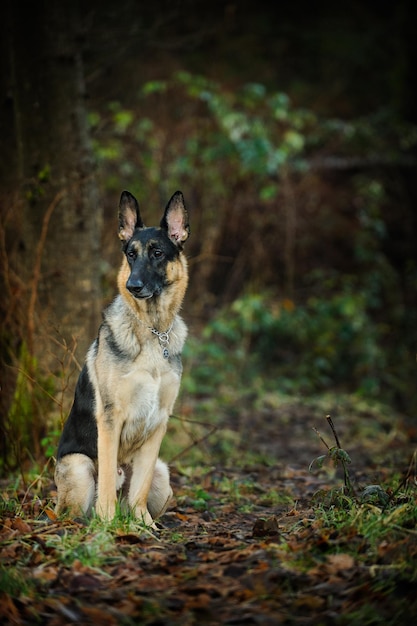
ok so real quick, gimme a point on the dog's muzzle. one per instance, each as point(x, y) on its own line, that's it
point(138, 290)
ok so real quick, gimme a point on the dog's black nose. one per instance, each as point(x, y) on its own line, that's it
point(135, 287)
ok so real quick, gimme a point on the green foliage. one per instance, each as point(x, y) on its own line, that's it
point(199, 499)
point(49, 443)
point(36, 187)
point(14, 583)
point(91, 546)
point(325, 343)
point(379, 513)
point(375, 523)
point(32, 400)
point(249, 133)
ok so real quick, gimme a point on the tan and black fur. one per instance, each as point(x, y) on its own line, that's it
point(130, 380)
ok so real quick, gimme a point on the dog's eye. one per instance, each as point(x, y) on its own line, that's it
point(157, 253)
point(131, 254)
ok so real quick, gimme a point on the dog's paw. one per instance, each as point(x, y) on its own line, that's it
point(106, 510)
point(143, 515)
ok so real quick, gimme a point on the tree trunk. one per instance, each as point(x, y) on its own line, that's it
point(51, 218)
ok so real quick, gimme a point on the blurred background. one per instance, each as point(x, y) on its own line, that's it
point(291, 130)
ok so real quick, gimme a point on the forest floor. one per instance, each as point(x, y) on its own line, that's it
point(253, 536)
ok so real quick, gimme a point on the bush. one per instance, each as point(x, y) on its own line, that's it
point(327, 342)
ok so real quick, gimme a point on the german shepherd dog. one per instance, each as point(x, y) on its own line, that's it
point(129, 383)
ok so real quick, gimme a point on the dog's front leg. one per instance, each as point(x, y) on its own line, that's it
point(108, 444)
point(143, 470)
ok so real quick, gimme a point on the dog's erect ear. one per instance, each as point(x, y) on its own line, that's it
point(129, 216)
point(175, 220)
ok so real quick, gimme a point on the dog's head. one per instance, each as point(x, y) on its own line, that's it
point(153, 254)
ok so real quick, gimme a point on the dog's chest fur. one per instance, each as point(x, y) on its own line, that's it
point(144, 383)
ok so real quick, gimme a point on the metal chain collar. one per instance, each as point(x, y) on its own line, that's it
point(163, 339)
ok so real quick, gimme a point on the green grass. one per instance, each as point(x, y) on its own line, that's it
point(15, 583)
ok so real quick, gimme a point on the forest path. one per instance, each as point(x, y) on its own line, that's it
point(259, 543)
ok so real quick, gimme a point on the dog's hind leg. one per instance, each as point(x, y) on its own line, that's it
point(160, 493)
point(75, 478)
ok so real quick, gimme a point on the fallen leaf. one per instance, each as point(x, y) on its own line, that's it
point(338, 562)
point(129, 538)
point(21, 526)
point(84, 581)
point(10, 552)
point(265, 527)
point(52, 516)
point(45, 573)
point(99, 616)
point(8, 610)
point(310, 601)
